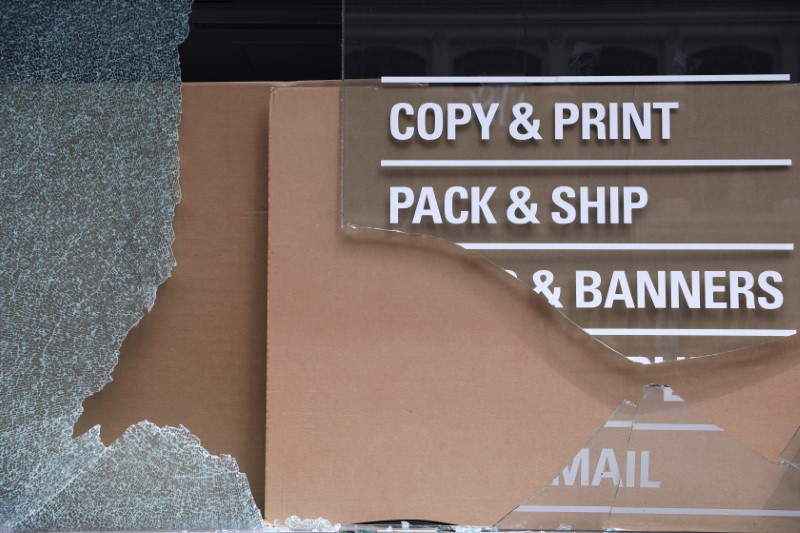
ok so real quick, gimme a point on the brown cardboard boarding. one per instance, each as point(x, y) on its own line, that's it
point(197, 358)
point(407, 379)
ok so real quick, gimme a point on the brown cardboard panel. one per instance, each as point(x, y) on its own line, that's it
point(197, 358)
point(410, 379)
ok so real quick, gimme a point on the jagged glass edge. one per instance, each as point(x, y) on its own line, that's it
point(89, 183)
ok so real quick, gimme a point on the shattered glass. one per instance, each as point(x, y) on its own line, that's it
point(658, 466)
point(90, 104)
point(151, 479)
point(295, 523)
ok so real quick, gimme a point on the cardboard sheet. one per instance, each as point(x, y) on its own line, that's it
point(410, 379)
point(406, 378)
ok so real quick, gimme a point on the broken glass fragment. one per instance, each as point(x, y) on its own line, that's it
point(90, 103)
point(295, 523)
point(152, 479)
point(791, 454)
point(632, 204)
point(658, 466)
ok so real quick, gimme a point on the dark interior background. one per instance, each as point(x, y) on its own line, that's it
point(269, 40)
point(263, 40)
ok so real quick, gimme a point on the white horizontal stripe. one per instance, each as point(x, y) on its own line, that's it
point(687, 511)
point(676, 427)
point(661, 427)
point(644, 332)
point(583, 163)
point(393, 80)
point(624, 246)
point(605, 509)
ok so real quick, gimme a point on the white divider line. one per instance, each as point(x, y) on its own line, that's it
point(644, 332)
point(661, 427)
point(460, 80)
point(686, 511)
point(676, 427)
point(581, 163)
point(618, 424)
point(624, 246)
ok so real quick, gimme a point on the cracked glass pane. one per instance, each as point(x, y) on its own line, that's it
point(659, 466)
point(625, 190)
point(579, 485)
point(791, 454)
point(90, 103)
point(151, 479)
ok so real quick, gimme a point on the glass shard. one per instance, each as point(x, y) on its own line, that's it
point(90, 103)
point(295, 523)
point(152, 479)
point(791, 454)
point(659, 466)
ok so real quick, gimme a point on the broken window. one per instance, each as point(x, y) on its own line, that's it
point(90, 104)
